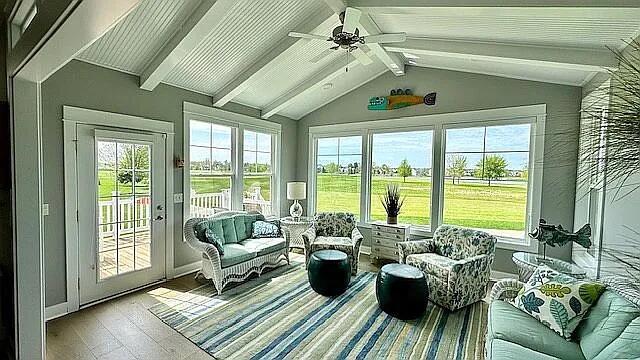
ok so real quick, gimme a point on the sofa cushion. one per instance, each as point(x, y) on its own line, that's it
point(625, 346)
point(263, 246)
point(244, 224)
point(229, 230)
point(235, 254)
point(504, 350)
point(508, 323)
point(605, 323)
point(215, 225)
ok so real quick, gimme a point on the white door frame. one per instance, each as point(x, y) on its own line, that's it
point(72, 116)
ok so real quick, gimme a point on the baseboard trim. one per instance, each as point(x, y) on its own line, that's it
point(186, 269)
point(56, 311)
point(365, 250)
point(499, 275)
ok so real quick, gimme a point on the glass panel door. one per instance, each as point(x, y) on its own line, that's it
point(121, 199)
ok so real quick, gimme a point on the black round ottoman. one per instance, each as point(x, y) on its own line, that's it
point(329, 272)
point(402, 291)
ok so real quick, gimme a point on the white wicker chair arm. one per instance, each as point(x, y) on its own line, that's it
point(196, 244)
point(309, 236)
point(286, 233)
point(356, 237)
point(505, 289)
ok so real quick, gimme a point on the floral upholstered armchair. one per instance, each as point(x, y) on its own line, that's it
point(456, 262)
point(335, 231)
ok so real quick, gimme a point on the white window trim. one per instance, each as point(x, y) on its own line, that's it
point(533, 114)
point(238, 123)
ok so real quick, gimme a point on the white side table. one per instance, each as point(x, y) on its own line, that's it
point(296, 228)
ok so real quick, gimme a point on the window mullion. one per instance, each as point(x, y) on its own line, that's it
point(237, 156)
point(365, 177)
point(437, 177)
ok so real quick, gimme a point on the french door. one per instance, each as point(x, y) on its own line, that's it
point(121, 216)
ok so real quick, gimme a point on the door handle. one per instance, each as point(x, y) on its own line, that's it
point(159, 217)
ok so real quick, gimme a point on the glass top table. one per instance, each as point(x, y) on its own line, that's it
point(528, 262)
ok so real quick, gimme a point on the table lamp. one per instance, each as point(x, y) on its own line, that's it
point(296, 190)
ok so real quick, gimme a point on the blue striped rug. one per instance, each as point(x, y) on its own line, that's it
point(280, 317)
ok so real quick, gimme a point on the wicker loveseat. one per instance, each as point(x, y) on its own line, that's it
point(243, 255)
point(456, 262)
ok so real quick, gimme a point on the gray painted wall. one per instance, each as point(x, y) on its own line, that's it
point(459, 91)
point(88, 86)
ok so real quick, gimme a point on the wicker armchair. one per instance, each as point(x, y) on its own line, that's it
point(212, 264)
point(456, 262)
point(336, 231)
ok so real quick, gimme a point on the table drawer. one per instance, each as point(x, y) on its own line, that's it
point(380, 241)
point(389, 229)
point(384, 252)
point(388, 235)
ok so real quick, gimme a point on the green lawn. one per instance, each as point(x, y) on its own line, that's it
point(474, 205)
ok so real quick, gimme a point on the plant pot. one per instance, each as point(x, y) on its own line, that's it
point(392, 220)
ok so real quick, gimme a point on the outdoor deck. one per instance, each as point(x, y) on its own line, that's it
point(124, 256)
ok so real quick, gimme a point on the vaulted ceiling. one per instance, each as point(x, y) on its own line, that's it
point(238, 50)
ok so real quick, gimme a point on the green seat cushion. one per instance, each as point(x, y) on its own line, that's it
point(236, 254)
point(215, 225)
point(625, 346)
point(244, 224)
point(610, 317)
point(503, 350)
point(508, 323)
point(264, 245)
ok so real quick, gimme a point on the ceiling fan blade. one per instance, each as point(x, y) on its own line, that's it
point(321, 56)
point(351, 20)
point(385, 38)
point(361, 56)
point(309, 36)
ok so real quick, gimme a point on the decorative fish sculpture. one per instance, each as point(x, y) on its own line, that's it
point(556, 235)
point(400, 99)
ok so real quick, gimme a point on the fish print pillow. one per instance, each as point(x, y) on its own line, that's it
point(559, 302)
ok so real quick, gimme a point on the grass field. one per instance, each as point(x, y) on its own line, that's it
point(468, 204)
point(473, 205)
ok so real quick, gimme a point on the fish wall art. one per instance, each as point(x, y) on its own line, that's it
point(399, 98)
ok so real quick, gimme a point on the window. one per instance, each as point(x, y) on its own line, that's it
point(210, 168)
point(408, 166)
point(486, 178)
point(258, 175)
point(338, 169)
point(451, 169)
point(231, 162)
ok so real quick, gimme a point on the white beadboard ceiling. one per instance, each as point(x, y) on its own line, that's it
point(133, 42)
point(291, 85)
point(589, 27)
point(249, 30)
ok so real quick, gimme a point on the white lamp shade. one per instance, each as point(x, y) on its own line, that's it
point(296, 190)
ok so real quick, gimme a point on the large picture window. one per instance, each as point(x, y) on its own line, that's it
point(453, 169)
point(402, 158)
point(486, 178)
point(231, 162)
point(338, 168)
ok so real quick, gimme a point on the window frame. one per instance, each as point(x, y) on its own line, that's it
point(238, 124)
point(438, 123)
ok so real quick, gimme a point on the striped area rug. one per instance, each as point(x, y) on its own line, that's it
point(281, 317)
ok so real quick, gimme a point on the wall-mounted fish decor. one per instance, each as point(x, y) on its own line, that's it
point(400, 98)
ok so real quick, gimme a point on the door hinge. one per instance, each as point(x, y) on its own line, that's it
point(78, 283)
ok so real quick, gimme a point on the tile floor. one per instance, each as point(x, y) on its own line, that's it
point(124, 329)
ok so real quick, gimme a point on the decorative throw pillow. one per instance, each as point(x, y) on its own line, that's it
point(215, 240)
point(265, 229)
point(558, 301)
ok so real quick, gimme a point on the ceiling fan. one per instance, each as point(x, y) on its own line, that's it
point(347, 37)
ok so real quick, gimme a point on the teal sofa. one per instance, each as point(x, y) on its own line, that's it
point(242, 255)
point(610, 330)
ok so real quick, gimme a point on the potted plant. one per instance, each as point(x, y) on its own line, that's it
point(392, 203)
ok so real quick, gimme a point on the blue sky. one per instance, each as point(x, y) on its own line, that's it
point(512, 141)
